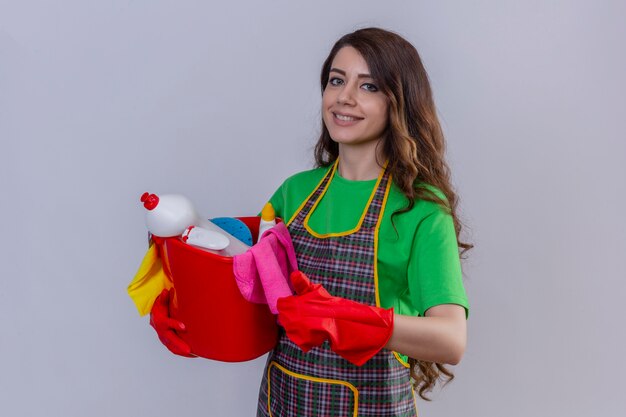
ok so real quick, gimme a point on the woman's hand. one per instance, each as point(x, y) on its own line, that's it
point(355, 331)
point(440, 336)
point(168, 328)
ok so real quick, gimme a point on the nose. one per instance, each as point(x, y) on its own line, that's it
point(346, 95)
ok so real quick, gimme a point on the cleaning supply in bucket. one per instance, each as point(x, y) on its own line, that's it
point(204, 238)
point(170, 215)
point(209, 236)
point(235, 227)
point(268, 219)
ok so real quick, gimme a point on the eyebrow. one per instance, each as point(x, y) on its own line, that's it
point(342, 72)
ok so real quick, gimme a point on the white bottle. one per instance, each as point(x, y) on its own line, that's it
point(170, 215)
point(268, 219)
point(205, 233)
point(204, 238)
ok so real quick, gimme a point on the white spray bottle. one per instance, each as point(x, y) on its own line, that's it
point(171, 215)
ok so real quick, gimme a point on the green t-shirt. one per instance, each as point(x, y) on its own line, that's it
point(418, 267)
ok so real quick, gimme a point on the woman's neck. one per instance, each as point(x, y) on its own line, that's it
point(359, 163)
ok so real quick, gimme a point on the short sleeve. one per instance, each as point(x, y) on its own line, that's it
point(287, 199)
point(434, 270)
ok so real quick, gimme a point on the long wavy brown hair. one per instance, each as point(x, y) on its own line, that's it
point(413, 142)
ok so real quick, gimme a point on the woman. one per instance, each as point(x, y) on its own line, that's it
point(375, 225)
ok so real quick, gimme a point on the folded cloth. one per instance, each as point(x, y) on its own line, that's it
point(149, 281)
point(262, 273)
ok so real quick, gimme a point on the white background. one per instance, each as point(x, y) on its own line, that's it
point(103, 100)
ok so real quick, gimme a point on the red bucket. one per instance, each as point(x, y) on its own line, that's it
point(220, 323)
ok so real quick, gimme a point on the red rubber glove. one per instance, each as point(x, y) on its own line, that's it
point(167, 327)
point(355, 331)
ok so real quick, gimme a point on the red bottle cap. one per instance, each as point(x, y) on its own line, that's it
point(150, 201)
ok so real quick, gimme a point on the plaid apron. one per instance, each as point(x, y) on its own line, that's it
point(320, 382)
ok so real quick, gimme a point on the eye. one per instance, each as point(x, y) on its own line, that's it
point(370, 87)
point(335, 81)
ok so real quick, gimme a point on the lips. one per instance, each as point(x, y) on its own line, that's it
point(345, 120)
point(346, 117)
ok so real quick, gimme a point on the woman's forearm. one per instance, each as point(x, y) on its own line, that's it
point(439, 337)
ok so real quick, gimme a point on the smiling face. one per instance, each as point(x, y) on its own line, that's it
point(354, 110)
